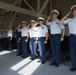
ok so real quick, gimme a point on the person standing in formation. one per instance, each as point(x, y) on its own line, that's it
point(56, 36)
point(72, 39)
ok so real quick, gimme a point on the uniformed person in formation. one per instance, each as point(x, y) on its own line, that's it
point(10, 34)
point(32, 35)
point(56, 36)
point(42, 35)
point(24, 39)
point(72, 39)
point(18, 41)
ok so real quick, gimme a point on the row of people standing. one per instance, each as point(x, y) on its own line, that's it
point(38, 34)
point(32, 33)
point(6, 38)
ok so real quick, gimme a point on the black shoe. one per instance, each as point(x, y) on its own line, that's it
point(10, 49)
point(39, 61)
point(73, 69)
point(23, 57)
point(56, 65)
point(52, 64)
point(32, 59)
point(43, 62)
point(18, 54)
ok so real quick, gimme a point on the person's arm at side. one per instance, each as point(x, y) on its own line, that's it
point(19, 37)
point(28, 34)
point(47, 35)
point(11, 38)
point(27, 37)
point(63, 33)
point(36, 39)
point(11, 35)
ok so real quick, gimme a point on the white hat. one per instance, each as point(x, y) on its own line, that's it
point(24, 22)
point(74, 6)
point(55, 11)
point(41, 18)
point(33, 21)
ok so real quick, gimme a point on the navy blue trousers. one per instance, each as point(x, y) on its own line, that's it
point(55, 47)
point(19, 47)
point(42, 48)
point(72, 43)
point(24, 46)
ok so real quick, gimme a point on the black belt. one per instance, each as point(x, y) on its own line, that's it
point(24, 37)
point(41, 37)
point(34, 37)
point(73, 34)
point(31, 37)
point(54, 34)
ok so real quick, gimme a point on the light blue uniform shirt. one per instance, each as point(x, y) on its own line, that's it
point(42, 30)
point(24, 32)
point(55, 28)
point(72, 25)
point(33, 33)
